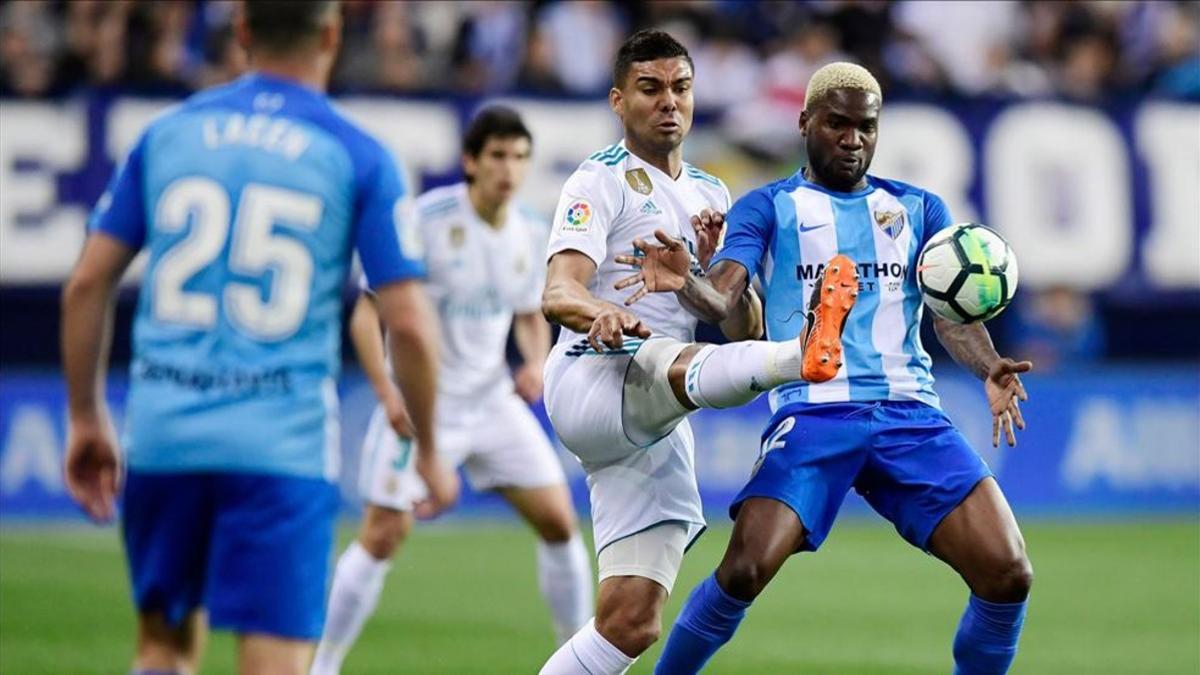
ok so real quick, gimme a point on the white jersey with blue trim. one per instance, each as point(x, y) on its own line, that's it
point(479, 277)
point(249, 199)
point(615, 197)
point(786, 231)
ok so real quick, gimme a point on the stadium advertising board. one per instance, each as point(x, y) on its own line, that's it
point(1098, 443)
point(1095, 198)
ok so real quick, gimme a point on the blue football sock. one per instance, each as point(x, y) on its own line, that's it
point(986, 642)
point(708, 619)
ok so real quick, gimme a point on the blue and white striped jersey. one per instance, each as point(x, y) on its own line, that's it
point(249, 199)
point(786, 231)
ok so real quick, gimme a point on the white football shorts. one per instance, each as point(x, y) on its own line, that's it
point(632, 488)
point(497, 440)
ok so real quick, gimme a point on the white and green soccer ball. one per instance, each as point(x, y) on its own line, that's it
point(967, 273)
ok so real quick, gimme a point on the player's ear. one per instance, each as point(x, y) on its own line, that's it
point(804, 119)
point(241, 31)
point(469, 164)
point(614, 100)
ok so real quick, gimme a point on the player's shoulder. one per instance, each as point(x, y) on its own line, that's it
point(702, 177)
point(599, 172)
point(899, 189)
point(440, 202)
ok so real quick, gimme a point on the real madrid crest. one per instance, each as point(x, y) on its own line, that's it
point(639, 181)
point(458, 235)
point(891, 222)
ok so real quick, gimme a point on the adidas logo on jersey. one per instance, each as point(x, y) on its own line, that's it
point(650, 208)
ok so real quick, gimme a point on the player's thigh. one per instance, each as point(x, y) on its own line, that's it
point(166, 524)
point(980, 539)
point(654, 554)
point(584, 399)
point(270, 557)
point(810, 456)
point(260, 654)
point(920, 469)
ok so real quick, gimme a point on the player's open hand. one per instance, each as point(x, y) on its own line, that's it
point(528, 382)
point(708, 226)
point(93, 467)
point(1005, 392)
point(397, 413)
point(661, 269)
point(441, 483)
point(612, 325)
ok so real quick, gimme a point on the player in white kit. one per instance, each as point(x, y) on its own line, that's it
point(485, 275)
point(623, 377)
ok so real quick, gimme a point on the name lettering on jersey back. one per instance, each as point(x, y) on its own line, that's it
point(261, 132)
point(872, 276)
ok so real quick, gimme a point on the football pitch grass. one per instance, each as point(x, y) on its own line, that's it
point(1111, 597)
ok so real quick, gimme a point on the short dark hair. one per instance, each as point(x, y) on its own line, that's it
point(495, 121)
point(282, 26)
point(646, 45)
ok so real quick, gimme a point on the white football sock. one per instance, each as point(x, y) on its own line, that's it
point(587, 653)
point(730, 375)
point(357, 584)
point(565, 579)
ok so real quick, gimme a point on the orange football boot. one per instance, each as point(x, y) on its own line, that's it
point(830, 303)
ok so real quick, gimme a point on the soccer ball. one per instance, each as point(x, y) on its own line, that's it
point(967, 273)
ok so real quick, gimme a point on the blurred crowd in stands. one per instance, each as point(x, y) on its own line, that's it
point(1083, 50)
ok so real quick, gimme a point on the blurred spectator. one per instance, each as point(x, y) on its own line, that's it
point(728, 72)
point(1178, 72)
point(491, 45)
point(1058, 327)
point(584, 36)
point(752, 53)
point(28, 45)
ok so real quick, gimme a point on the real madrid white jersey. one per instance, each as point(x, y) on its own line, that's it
point(615, 197)
point(478, 277)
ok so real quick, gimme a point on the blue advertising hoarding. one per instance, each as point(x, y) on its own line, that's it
point(1108, 441)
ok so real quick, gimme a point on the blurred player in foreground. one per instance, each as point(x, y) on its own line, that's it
point(620, 382)
point(877, 426)
point(249, 199)
point(485, 275)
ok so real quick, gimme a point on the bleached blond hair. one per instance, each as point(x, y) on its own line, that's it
point(840, 75)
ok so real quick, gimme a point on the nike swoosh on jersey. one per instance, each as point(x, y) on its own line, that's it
point(809, 228)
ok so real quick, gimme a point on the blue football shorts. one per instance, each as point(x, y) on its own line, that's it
point(904, 457)
point(253, 549)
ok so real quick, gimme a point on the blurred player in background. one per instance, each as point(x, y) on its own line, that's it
point(620, 382)
point(877, 426)
point(485, 275)
point(250, 199)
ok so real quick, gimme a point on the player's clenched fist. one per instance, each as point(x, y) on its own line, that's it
point(93, 467)
point(612, 325)
point(441, 483)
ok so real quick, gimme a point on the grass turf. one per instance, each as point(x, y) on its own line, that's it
point(1115, 598)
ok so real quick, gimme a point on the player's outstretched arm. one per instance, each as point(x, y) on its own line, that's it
point(367, 338)
point(971, 347)
point(567, 302)
point(412, 330)
point(92, 459)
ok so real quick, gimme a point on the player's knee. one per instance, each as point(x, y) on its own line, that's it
point(742, 578)
point(631, 629)
point(1009, 580)
point(556, 529)
point(383, 531)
